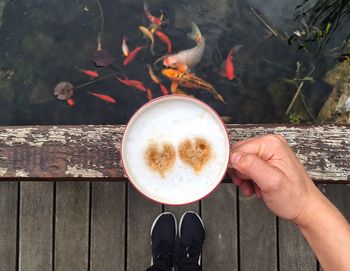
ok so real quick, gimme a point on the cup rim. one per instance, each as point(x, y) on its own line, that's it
point(157, 100)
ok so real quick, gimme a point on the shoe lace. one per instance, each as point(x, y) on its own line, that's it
point(189, 253)
point(164, 252)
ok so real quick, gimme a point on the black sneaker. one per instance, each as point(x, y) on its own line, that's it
point(163, 234)
point(191, 239)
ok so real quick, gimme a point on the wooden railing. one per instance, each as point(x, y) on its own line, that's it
point(93, 152)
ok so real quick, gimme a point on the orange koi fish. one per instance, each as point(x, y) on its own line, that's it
point(92, 74)
point(163, 89)
point(125, 47)
point(132, 83)
point(153, 19)
point(164, 38)
point(229, 71)
point(103, 97)
point(70, 102)
point(151, 73)
point(132, 55)
point(149, 94)
point(189, 80)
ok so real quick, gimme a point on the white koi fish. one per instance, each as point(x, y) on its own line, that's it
point(190, 57)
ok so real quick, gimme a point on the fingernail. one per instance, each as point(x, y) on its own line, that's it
point(235, 157)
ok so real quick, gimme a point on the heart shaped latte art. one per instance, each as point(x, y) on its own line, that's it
point(195, 153)
point(160, 157)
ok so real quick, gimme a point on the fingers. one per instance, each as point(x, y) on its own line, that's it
point(254, 168)
point(265, 146)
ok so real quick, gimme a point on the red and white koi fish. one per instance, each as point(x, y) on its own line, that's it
point(92, 74)
point(132, 83)
point(229, 68)
point(132, 55)
point(164, 38)
point(153, 19)
point(103, 97)
point(189, 57)
point(125, 47)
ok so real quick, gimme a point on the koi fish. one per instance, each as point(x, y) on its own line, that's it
point(132, 83)
point(181, 92)
point(163, 89)
point(103, 97)
point(150, 17)
point(125, 47)
point(149, 94)
point(190, 57)
point(132, 55)
point(70, 102)
point(164, 38)
point(229, 71)
point(151, 73)
point(189, 80)
point(92, 74)
point(149, 35)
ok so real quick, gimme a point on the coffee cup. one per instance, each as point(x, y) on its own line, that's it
point(175, 150)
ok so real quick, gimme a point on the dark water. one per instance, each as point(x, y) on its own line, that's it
point(42, 41)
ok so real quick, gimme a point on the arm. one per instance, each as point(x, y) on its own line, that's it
point(268, 167)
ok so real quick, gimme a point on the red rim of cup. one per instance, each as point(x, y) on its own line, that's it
point(169, 97)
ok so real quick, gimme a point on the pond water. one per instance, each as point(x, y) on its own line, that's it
point(42, 43)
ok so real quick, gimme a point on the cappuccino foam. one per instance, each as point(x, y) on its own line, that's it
point(175, 151)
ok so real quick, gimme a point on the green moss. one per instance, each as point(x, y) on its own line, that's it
point(339, 74)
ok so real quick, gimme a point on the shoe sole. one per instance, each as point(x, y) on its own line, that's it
point(180, 224)
point(154, 223)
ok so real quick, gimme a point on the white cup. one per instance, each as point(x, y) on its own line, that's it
point(172, 188)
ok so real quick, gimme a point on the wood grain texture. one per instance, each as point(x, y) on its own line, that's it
point(339, 195)
point(294, 252)
point(72, 226)
point(8, 225)
point(36, 210)
point(141, 214)
point(257, 236)
point(219, 213)
point(94, 151)
point(108, 226)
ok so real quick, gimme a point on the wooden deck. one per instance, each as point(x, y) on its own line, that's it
point(73, 209)
point(97, 226)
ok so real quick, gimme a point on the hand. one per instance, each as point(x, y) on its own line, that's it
point(268, 167)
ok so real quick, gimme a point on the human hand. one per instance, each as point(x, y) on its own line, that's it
point(268, 167)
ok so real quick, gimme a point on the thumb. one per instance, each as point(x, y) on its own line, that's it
point(252, 166)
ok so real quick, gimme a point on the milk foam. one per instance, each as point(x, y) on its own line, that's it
point(172, 122)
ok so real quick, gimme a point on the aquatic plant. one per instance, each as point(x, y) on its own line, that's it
point(323, 19)
point(299, 81)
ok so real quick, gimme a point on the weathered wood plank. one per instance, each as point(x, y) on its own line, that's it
point(294, 252)
point(339, 195)
point(257, 236)
point(8, 225)
point(178, 211)
point(219, 213)
point(72, 226)
point(94, 151)
point(35, 232)
point(141, 213)
point(108, 226)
